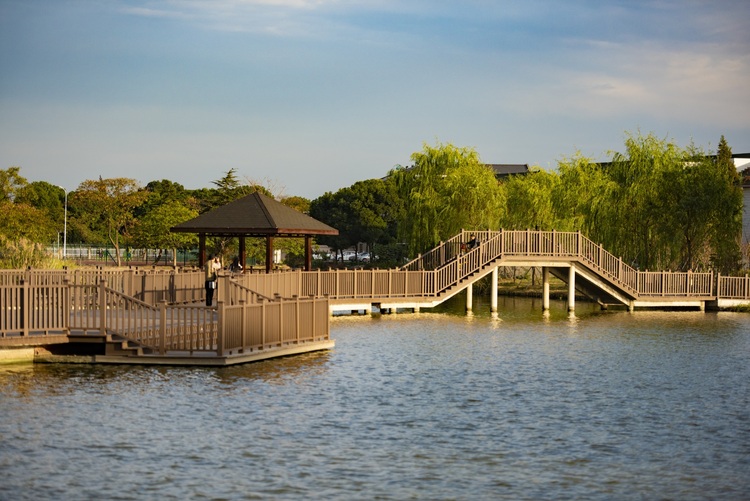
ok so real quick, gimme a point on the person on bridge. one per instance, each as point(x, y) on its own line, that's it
point(212, 274)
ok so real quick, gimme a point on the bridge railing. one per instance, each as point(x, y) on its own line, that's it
point(27, 307)
point(264, 325)
point(228, 328)
point(733, 287)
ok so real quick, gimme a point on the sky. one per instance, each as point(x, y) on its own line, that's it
point(310, 96)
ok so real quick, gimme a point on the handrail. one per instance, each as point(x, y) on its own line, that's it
point(453, 266)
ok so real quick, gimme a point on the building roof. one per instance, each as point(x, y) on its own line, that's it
point(255, 215)
point(502, 170)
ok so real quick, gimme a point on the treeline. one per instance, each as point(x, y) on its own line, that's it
point(115, 213)
point(655, 204)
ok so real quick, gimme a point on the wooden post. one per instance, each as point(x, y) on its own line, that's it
point(243, 256)
point(221, 328)
point(493, 291)
point(25, 306)
point(263, 303)
point(201, 249)
point(296, 317)
point(103, 306)
point(243, 323)
point(572, 287)
point(308, 253)
point(314, 303)
point(163, 326)
point(280, 300)
point(269, 254)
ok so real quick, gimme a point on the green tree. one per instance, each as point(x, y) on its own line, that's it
point(582, 194)
point(726, 237)
point(10, 182)
point(628, 225)
point(447, 189)
point(333, 209)
point(46, 197)
point(107, 207)
point(152, 230)
point(530, 201)
point(20, 220)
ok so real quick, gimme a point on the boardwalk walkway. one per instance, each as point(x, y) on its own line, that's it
point(156, 317)
point(456, 264)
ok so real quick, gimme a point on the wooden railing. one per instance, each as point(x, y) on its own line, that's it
point(26, 308)
point(554, 244)
point(196, 328)
point(51, 301)
point(733, 287)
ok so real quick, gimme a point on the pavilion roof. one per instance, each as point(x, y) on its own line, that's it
point(255, 215)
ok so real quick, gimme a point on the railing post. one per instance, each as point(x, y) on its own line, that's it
point(313, 331)
point(263, 303)
point(25, 306)
point(66, 304)
point(281, 320)
point(243, 323)
point(163, 326)
point(296, 317)
point(103, 306)
point(220, 331)
point(579, 240)
point(747, 287)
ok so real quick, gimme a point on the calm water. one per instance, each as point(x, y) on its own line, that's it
point(429, 406)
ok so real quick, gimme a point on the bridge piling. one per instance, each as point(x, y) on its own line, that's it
point(572, 288)
point(545, 288)
point(493, 292)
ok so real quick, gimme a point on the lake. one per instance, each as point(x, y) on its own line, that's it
point(434, 405)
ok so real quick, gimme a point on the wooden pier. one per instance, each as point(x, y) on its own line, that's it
point(157, 317)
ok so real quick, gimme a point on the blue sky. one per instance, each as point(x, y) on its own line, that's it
point(308, 96)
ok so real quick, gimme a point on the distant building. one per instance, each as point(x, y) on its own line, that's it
point(505, 170)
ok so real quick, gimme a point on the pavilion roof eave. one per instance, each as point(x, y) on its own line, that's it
point(256, 232)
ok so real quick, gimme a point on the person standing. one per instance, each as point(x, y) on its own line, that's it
point(212, 274)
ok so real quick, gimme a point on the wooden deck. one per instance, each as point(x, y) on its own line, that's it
point(156, 317)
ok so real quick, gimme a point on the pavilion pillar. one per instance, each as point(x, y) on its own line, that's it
point(269, 254)
point(242, 251)
point(308, 253)
point(201, 249)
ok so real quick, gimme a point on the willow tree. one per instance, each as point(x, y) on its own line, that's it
point(629, 224)
point(529, 201)
point(447, 189)
point(583, 193)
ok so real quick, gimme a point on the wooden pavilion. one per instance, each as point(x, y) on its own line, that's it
point(255, 215)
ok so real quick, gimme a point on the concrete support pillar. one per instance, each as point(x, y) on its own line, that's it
point(493, 291)
point(572, 288)
point(470, 297)
point(545, 288)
